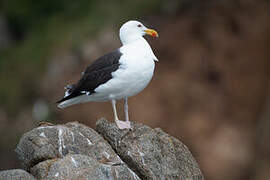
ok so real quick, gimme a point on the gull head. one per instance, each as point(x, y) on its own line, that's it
point(133, 30)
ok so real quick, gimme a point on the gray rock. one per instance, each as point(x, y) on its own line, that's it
point(75, 166)
point(55, 146)
point(151, 153)
point(15, 174)
point(75, 151)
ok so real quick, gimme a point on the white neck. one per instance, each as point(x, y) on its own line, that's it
point(140, 44)
point(130, 39)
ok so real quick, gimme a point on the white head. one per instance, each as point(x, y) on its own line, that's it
point(134, 30)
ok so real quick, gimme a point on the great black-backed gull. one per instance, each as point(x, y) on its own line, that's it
point(117, 75)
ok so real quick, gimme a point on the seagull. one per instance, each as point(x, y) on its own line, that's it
point(117, 75)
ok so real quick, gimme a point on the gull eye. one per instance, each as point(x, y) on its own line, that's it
point(139, 25)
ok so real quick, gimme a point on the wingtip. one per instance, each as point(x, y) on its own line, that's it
point(60, 106)
point(59, 103)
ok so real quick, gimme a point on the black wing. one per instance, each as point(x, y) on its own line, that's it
point(96, 74)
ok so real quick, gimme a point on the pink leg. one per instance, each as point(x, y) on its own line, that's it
point(120, 124)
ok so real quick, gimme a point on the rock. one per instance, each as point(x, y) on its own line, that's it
point(49, 142)
point(75, 151)
point(47, 150)
point(78, 166)
point(151, 153)
point(15, 174)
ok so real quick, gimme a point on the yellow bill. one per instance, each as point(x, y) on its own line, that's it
point(151, 32)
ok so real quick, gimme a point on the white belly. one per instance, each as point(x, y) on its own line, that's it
point(130, 79)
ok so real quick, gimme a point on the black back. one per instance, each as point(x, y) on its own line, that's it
point(99, 72)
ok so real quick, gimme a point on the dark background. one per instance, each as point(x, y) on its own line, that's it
point(210, 88)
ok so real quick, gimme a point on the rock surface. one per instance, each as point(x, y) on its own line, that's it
point(151, 153)
point(75, 151)
point(15, 174)
point(70, 151)
point(78, 166)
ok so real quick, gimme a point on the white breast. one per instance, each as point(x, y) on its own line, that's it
point(135, 72)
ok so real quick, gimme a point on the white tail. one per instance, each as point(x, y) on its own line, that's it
point(70, 102)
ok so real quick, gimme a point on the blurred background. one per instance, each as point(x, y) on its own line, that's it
point(210, 88)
